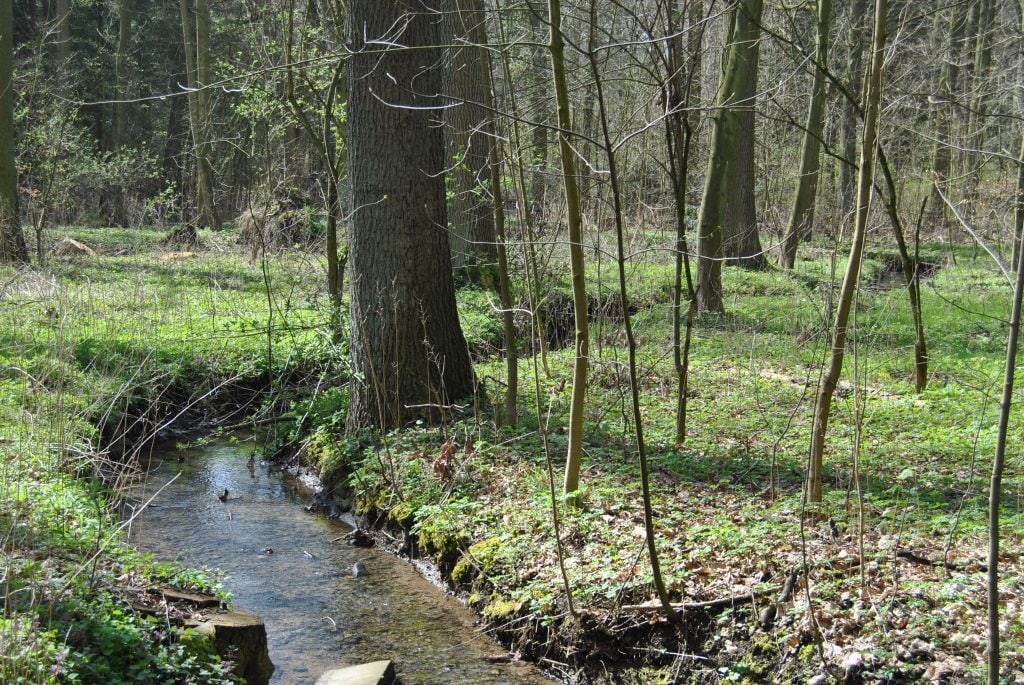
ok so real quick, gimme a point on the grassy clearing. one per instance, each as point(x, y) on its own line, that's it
point(97, 352)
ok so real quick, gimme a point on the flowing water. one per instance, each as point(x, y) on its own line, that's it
point(294, 570)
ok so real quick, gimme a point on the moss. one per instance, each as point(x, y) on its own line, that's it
point(499, 609)
point(443, 543)
point(402, 514)
point(478, 560)
point(465, 569)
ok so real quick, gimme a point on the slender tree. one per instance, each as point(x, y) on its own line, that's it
point(999, 464)
point(627, 321)
point(124, 28)
point(829, 380)
point(407, 346)
point(574, 218)
point(12, 239)
point(801, 218)
point(943, 116)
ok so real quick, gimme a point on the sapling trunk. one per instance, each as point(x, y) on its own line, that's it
point(995, 491)
point(574, 219)
point(627, 324)
point(829, 380)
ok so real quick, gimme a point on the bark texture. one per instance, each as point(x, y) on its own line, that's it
point(12, 239)
point(406, 342)
point(801, 219)
point(742, 240)
point(196, 38)
point(468, 132)
point(725, 136)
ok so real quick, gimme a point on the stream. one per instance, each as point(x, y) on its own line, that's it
point(292, 569)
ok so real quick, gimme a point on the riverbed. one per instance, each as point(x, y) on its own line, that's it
point(295, 570)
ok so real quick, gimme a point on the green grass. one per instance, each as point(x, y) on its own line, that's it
point(90, 347)
point(97, 353)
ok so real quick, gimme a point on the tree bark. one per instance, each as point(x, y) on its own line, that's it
point(974, 159)
point(944, 113)
point(801, 219)
point(725, 136)
point(829, 380)
point(407, 346)
point(467, 139)
point(537, 110)
point(742, 241)
point(998, 464)
point(12, 238)
point(124, 27)
point(196, 39)
point(574, 219)
point(848, 119)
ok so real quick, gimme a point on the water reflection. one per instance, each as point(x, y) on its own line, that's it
point(295, 571)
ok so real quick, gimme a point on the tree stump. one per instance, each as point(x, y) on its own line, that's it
point(240, 637)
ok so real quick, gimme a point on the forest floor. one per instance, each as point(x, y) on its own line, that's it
point(99, 351)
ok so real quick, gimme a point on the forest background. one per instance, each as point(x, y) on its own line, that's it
point(753, 258)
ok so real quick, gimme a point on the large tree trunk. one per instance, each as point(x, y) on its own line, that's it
point(196, 39)
point(406, 343)
point(801, 219)
point(829, 380)
point(467, 128)
point(725, 137)
point(742, 240)
point(12, 239)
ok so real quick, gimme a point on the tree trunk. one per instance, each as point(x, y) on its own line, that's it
point(725, 137)
point(406, 343)
point(975, 161)
point(1018, 211)
point(12, 239)
point(801, 219)
point(574, 219)
point(848, 119)
point(196, 37)
point(678, 139)
point(62, 11)
point(944, 113)
point(467, 140)
point(999, 460)
point(124, 26)
point(828, 382)
point(742, 242)
point(537, 111)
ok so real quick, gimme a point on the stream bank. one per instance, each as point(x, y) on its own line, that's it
point(294, 568)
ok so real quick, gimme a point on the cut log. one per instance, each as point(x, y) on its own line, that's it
point(242, 637)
